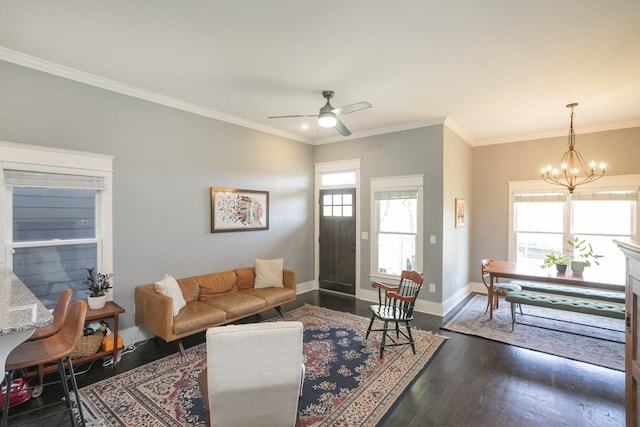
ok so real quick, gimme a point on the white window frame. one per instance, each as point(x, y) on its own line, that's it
point(396, 183)
point(50, 160)
point(606, 183)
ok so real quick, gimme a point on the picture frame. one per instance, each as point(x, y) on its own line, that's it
point(233, 209)
point(460, 212)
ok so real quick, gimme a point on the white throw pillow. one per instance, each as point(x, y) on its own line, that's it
point(269, 273)
point(169, 286)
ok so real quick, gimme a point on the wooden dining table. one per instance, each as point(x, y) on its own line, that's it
point(591, 278)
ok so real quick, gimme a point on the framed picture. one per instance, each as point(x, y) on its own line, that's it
point(461, 212)
point(239, 210)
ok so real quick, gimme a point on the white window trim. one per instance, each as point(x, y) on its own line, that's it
point(606, 183)
point(390, 183)
point(52, 160)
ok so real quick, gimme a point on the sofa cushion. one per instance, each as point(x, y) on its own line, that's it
point(245, 277)
point(272, 296)
point(269, 273)
point(190, 289)
point(196, 315)
point(216, 285)
point(237, 305)
point(169, 286)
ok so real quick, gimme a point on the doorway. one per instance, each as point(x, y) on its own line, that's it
point(337, 240)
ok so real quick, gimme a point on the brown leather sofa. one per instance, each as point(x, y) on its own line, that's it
point(211, 300)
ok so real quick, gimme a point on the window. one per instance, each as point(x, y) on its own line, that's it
point(338, 178)
point(337, 205)
point(396, 225)
point(545, 221)
point(58, 224)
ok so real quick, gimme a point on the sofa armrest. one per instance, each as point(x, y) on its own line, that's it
point(289, 279)
point(154, 311)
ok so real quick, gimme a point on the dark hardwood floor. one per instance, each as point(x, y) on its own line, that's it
point(470, 382)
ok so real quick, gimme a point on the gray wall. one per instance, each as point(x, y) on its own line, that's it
point(417, 151)
point(457, 167)
point(166, 162)
point(495, 165)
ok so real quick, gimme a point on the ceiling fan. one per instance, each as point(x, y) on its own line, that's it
point(328, 115)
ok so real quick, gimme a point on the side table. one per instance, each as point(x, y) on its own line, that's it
point(111, 310)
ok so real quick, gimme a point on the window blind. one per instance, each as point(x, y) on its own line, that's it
point(395, 194)
point(21, 178)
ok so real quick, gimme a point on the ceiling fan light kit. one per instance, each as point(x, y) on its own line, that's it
point(327, 120)
point(328, 115)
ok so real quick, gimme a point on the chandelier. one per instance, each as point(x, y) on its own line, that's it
point(572, 165)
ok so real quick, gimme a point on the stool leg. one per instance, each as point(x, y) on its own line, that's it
point(75, 388)
point(65, 386)
point(8, 378)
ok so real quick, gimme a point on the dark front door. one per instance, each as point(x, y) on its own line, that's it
point(338, 240)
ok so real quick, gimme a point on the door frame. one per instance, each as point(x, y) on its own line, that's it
point(352, 165)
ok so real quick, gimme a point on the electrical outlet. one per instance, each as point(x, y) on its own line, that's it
point(432, 239)
point(432, 287)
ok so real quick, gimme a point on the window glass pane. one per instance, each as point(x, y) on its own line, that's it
point(347, 199)
point(340, 178)
point(53, 213)
point(337, 199)
point(47, 270)
point(534, 247)
point(396, 252)
point(613, 261)
point(602, 216)
point(337, 211)
point(326, 199)
point(347, 211)
point(327, 211)
point(398, 215)
point(539, 216)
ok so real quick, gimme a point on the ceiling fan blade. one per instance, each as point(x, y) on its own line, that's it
point(296, 115)
point(340, 127)
point(351, 108)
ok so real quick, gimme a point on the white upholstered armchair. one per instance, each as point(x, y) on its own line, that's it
point(254, 374)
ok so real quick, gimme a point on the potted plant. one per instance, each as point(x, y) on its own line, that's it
point(559, 260)
point(583, 255)
point(98, 284)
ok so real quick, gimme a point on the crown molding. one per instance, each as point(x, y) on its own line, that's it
point(603, 127)
point(34, 63)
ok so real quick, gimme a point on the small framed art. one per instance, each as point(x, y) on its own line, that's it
point(239, 210)
point(461, 212)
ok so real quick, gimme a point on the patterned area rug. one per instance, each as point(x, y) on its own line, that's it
point(346, 383)
point(593, 339)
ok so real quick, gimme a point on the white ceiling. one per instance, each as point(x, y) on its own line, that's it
point(497, 70)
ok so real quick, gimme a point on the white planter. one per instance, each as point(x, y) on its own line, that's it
point(577, 267)
point(97, 302)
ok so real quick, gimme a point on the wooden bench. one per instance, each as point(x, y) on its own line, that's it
point(571, 291)
point(551, 301)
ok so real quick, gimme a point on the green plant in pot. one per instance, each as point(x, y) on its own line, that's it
point(559, 260)
point(98, 285)
point(583, 255)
